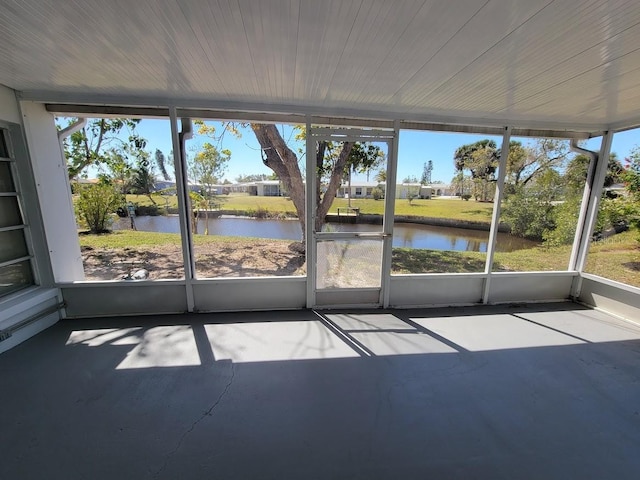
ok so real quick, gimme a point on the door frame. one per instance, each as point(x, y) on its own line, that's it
point(341, 134)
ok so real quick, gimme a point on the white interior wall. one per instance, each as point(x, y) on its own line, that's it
point(507, 287)
point(9, 111)
point(52, 183)
point(435, 290)
point(100, 299)
point(612, 297)
point(29, 311)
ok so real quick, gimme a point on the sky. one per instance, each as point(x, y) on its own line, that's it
point(415, 148)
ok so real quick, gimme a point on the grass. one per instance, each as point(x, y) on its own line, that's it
point(437, 208)
point(137, 239)
point(411, 260)
point(616, 258)
point(407, 260)
point(162, 201)
point(128, 239)
point(539, 258)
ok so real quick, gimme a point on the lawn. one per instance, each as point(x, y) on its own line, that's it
point(129, 239)
point(246, 204)
point(616, 258)
point(438, 208)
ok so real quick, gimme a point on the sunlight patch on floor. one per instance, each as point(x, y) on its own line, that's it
point(165, 346)
point(273, 341)
point(494, 332)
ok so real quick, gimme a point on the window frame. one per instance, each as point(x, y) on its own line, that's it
point(10, 159)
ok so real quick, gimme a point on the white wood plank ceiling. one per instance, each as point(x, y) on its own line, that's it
point(573, 63)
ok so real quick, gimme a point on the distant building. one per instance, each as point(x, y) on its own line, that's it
point(365, 190)
point(169, 187)
point(442, 189)
point(270, 188)
point(357, 190)
point(275, 188)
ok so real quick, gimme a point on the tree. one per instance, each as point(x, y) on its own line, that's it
point(207, 166)
point(381, 176)
point(160, 161)
point(463, 156)
point(631, 174)
point(95, 204)
point(530, 210)
point(425, 179)
point(410, 179)
point(631, 178)
point(144, 179)
point(412, 194)
point(206, 169)
point(277, 155)
point(483, 163)
point(362, 159)
point(89, 145)
point(252, 178)
point(526, 163)
point(613, 212)
point(120, 171)
point(332, 162)
point(481, 159)
point(462, 185)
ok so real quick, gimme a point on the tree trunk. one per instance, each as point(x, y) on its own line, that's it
point(349, 187)
point(284, 162)
point(335, 181)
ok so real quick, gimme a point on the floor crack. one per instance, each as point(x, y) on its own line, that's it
point(207, 413)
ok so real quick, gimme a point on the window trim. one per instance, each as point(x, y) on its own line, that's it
point(5, 138)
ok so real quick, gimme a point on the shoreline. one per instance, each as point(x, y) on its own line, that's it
point(364, 218)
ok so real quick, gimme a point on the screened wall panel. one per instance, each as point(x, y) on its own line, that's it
point(614, 251)
point(543, 193)
point(444, 202)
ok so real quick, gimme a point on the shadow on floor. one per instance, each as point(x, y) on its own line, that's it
point(538, 391)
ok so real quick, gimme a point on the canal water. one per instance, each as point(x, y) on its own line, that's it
point(409, 235)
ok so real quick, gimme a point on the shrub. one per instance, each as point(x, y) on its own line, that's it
point(618, 213)
point(377, 193)
point(151, 210)
point(565, 217)
point(465, 197)
point(95, 205)
point(528, 214)
point(259, 212)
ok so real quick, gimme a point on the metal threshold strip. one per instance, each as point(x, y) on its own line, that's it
point(6, 333)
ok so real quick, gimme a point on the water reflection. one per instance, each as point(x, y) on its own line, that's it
point(408, 235)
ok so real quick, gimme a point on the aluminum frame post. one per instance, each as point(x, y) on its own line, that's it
point(186, 238)
point(592, 211)
point(495, 218)
point(310, 215)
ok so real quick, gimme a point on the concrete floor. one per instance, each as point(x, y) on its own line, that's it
point(539, 391)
